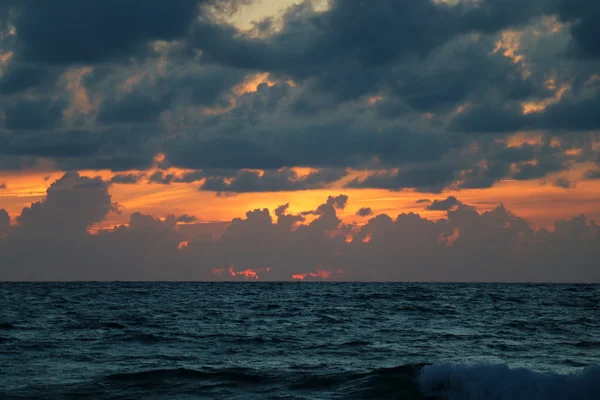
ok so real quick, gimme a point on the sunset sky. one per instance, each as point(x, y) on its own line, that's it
point(176, 117)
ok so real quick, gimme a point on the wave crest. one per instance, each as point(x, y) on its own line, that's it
point(499, 382)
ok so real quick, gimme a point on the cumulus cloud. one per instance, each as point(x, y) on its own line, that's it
point(4, 221)
point(50, 242)
point(72, 204)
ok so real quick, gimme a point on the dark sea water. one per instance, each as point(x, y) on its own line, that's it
point(299, 341)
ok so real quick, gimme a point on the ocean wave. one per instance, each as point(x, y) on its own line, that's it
point(156, 376)
point(411, 381)
point(6, 326)
point(499, 382)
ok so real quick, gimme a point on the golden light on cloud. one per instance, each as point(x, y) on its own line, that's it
point(80, 101)
point(521, 138)
point(6, 57)
point(319, 273)
point(537, 200)
point(252, 82)
point(250, 85)
point(374, 99)
point(509, 46)
point(537, 106)
point(159, 158)
point(132, 81)
point(552, 24)
point(246, 15)
point(248, 274)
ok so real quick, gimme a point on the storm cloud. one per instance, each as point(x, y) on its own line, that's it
point(420, 95)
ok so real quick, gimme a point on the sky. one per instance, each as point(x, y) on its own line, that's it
point(431, 140)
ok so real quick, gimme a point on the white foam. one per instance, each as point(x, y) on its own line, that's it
point(499, 382)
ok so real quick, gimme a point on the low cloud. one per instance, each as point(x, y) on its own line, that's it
point(186, 218)
point(444, 205)
point(284, 179)
point(126, 179)
point(50, 241)
point(364, 212)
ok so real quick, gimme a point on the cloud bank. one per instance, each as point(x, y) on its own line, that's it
point(423, 96)
point(49, 241)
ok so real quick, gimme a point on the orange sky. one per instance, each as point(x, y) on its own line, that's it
point(539, 202)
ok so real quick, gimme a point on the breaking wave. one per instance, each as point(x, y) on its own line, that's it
point(499, 382)
point(415, 381)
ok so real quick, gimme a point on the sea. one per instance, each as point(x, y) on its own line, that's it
point(299, 340)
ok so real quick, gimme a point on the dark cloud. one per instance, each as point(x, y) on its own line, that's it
point(548, 160)
point(572, 114)
point(364, 212)
point(583, 16)
point(33, 114)
point(194, 176)
point(493, 118)
point(592, 174)
point(272, 181)
point(161, 177)
point(484, 175)
point(449, 203)
point(127, 179)
point(50, 242)
point(389, 86)
point(370, 34)
point(421, 201)
point(74, 32)
point(18, 78)
point(2, 186)
point(4, 222)
point(425, 178)
point(186, 218)
point(133, 109)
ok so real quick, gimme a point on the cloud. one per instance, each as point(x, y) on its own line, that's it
point(592, 174)
point(186, 218)
point(424, 177)
point(33, 114)
point(72, 32)
point(17, 78)
point(4, 222)
point(128, 179)
point(563, 182)
point(416, 97)
point(161, 177)
point(72, 204)
point(2, 186)
point(284, 179)
point(50, 242)
point(444, 205)
point(582, 15)
point(364, 212)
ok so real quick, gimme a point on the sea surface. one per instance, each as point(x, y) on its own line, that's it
point(299, 341)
